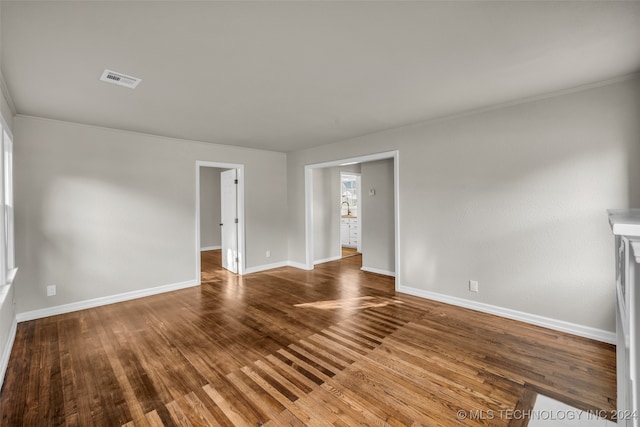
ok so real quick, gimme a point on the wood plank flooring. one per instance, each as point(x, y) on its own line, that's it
point(334, 346)
point(348, 251)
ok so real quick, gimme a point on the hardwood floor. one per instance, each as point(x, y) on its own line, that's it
point(349, 251)
point(333, 346)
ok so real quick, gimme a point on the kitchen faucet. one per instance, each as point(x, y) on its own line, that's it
point(348, 207)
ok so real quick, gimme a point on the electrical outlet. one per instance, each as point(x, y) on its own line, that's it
point(268, 254)
point(473, 285)
point(51, 290)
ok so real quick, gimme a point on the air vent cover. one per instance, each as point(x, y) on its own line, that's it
point(120, 79)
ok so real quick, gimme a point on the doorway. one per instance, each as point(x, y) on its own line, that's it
point(350, 214)
point(219, 218)
point(390, 197)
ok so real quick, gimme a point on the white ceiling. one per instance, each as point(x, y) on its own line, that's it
point(290, 75)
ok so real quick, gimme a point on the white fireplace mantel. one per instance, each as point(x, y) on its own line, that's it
point(625, 225)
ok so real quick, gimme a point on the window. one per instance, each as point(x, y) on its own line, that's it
point(8, 201)
point(7, 247)
point(348, 194)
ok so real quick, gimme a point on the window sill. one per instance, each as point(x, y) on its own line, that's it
point(4, 289)
point(11, 276)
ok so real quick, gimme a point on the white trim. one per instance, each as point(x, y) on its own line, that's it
point(308, 201)
point(4, 220)
point(11, 275)
point(427, 121)
point(396, 214)
point(635, 245)
point(259, 268)
point(203, 143)
point(545, 322)
point(298, 265)
point(308, 213)
point(378, 271)
point(97, 302)
point(322, 261)
point(360, 211)
point(241, 225)
point(265, 267)
point(488, 108)
point(359, 159)
point(210, 248)
point(4, 363)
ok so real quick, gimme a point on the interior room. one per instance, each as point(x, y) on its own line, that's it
point(319, 213)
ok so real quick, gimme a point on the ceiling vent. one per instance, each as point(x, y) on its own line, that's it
point(120, 79)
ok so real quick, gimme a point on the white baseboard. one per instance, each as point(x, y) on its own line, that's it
point(293, 264)
point(259, 268)
point(210, 248)
point(298, 265)
point(4, 362)
point(546, 322)
point(96, 302)
point(378, 271)
point(322, 261)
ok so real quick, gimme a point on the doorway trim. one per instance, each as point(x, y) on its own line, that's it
point(308, 202)
point(241, 224)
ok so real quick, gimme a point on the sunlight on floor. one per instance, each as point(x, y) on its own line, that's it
point(359, 303)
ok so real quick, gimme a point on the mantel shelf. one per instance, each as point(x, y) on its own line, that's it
point(625, 222)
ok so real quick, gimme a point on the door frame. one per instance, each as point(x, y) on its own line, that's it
point(308, 202)
point(241, 224)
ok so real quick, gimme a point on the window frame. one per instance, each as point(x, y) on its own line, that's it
point(8, 267)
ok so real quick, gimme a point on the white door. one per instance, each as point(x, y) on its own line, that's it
point(229, 219)
point(358, 223)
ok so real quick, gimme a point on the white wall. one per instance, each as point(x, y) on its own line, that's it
point(210, 207)
point(514, 197)
point(326, 215)
point(101, 212)
point(377, 233)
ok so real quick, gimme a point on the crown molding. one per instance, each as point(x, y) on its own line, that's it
point(488, 108)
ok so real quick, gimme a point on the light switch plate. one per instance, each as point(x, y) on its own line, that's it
point(473, 285)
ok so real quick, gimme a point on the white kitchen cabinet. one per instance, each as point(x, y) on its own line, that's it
point(349, 231)
point(344, 232)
